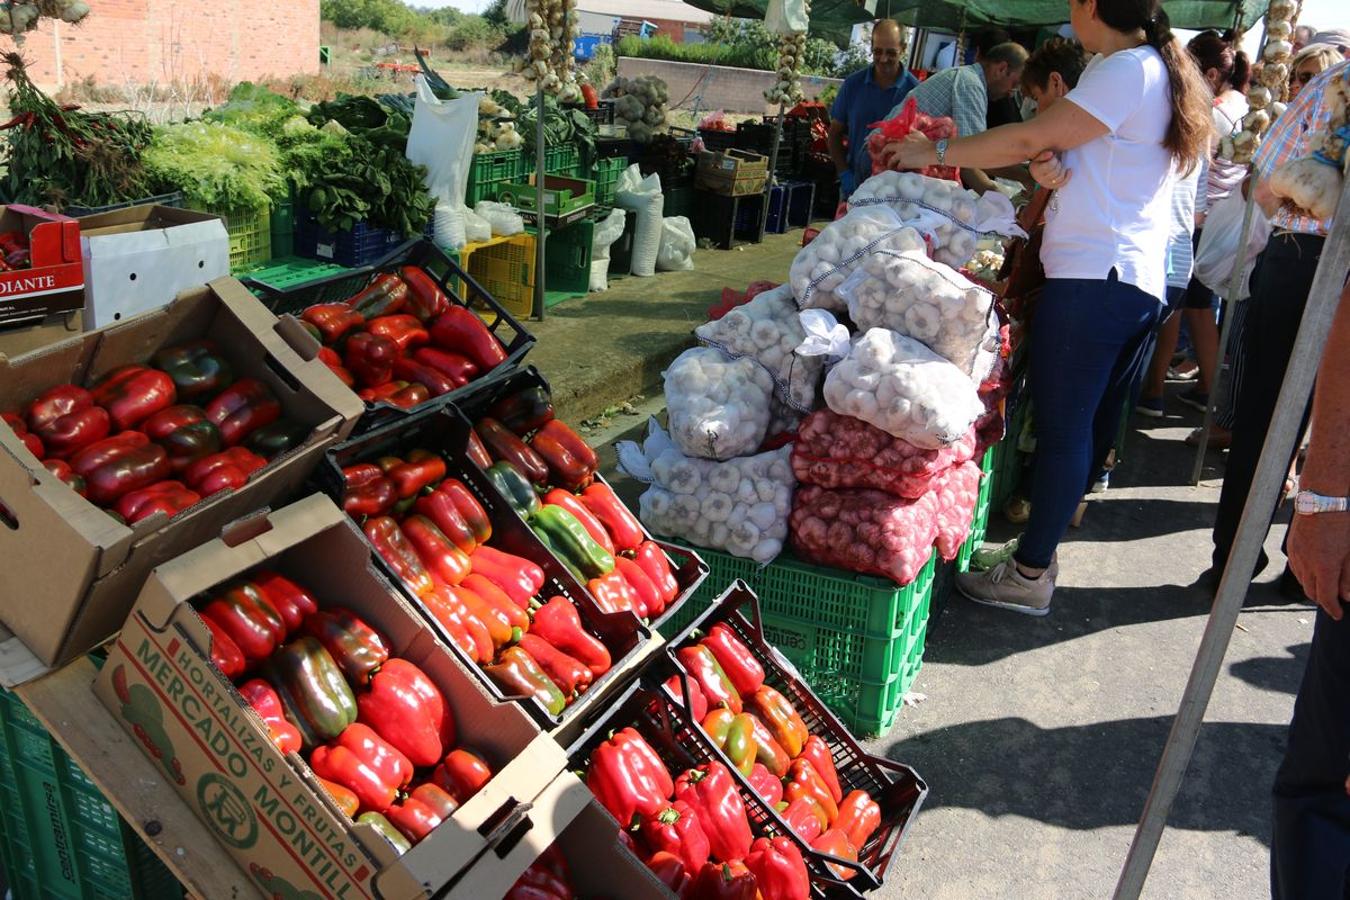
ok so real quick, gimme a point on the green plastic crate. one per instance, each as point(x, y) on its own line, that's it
point(281, 223)
point(559, 201)
point(979, 523)
point(567, 258)
point(59, 838)
point(679, 202)
point(294, 272)
point(564, 159)
point(489, 171)
point(250, 232)
point(606, 176)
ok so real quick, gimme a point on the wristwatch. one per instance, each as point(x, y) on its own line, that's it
point(1307, 503)
point(941, 148)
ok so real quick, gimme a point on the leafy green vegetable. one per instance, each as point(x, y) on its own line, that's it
point(216, 166)
point(253, 107)
point(561, 126)
point(377, 185)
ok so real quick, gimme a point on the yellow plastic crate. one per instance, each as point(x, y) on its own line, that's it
point(250, 232)
point(504, 267)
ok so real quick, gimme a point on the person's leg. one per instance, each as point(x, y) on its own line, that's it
point(1129, 365)
point(1150, 396)
point(1277, 302)
point(1205, 338)
point(1310, 845)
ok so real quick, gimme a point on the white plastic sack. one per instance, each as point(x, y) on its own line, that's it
point(822, 265)
point(928, 301)
point(442, 139)
point(504, 219)
point(787, 17)
point(607, 231)
point(476, 228)
point(740, 505)
point(903, 388)
point(448, 227)
point(676, 252)
point(718, 407)
point(643, 197)
point(768, 329)
point(1218, 247)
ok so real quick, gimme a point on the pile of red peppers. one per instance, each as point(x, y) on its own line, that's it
point(768, 742)
point(402, 340)
point(157, 438)
point(692, 831)
point(374, 728)
point(14, 253)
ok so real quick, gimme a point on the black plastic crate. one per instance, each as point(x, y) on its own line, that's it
point(173, 198)
point(361, 246)
point(603, 114)
point(446, 431)
point(758, 138)
point(716, 141)
point(621, 251)
point(727, 221)
point(454, 282)
point(896, 787)
point(611, 147)
point(689, 568)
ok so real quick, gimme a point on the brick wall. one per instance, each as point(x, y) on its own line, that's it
point(162, 41)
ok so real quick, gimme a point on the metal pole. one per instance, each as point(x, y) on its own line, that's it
point(773, 164)
point(1234, 287)
point(1323, 298)
point(540, 228)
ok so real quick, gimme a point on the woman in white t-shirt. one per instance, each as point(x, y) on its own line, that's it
point(1111, 151)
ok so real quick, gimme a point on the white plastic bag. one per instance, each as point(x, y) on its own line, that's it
point(505, 221)
point(676, 252)
point(448, 227)
point(476, 228)
point(718, 407)
point(903, 388)
point(787, 17)
point(642, 197)
point(441, 139)
point(607, 231)
point(769, 330)
point(1218, 247)
point(740, 505)
point(822, 265)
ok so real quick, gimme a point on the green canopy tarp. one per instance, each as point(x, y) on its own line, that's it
point(952, 15)
point(832, 20)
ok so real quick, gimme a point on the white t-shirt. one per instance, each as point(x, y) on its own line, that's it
point(1114, 212)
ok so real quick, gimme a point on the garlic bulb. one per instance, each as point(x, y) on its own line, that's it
point(1256, 121)
point(1277, 51)
point(1276, 110)
point(1258, 97)
point(1269, 87)
point(1279, 30)
point(1275, 76)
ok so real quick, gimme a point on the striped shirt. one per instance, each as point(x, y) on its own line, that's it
point(1180, 255)
point(960, 93)
point(1288, 140)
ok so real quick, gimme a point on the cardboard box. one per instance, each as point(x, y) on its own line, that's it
point(54, 279)
point(140, 258)
point(267, 809)
point(601, 866)
point(71, 571)
point(732, 173)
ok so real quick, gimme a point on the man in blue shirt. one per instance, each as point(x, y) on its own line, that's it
point(866, 97)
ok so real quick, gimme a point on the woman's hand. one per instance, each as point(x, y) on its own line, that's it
point(913, 151)
point(1049, 170)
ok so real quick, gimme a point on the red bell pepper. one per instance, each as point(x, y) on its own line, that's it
point(384, 296)
point(670, 871)
point(289, 599)
point(328, 356)
point(818, 753)
point(168, 497)
point(406, 708)
point(227, 470)
point(571, 461)
point(779, 870)
point(357, 648)
point(62, 470)
point(571, 503)
point(649, 598)
point(26, 437)
point(558, 623)
point(859, 816)
point(410, 370)
point(767, 750)
point(518, 675)
point(368, 491)
point(477, 453)
point(119, 464)
point(568, 674)
point(461, 774)
point(243, 408)
point(500, 602)
point(474, 515)
point(459, 369)
point(185, 432)
point(441, 557)
point(463, 628)
point(725, 881)
point(267, 704)
point(517, 576)
point(655, 563)
point(282, 436)
point(836, 843)
point(366, 764)
point(197, 368)
point(426, 807)
point(612, 594)
point(775, 711)
point(333, 320)
point(628, 778)
point(66, 420)
point(766, 784)
point(461, 331)
point(418, 471)
point(804, 781)
point(399, 554)
point(225, 653)
point(736, 660)
point(499, 629)
point(440, 509)
point(537, 884)
point(396, 393)
point(676, 829)
point(622, 525)
point(370, 358)
point(404, 330)
point(698, 704)
point(700, 664)
point(711, 790)
point(806, 817)
point(425, 297)
point(132, 394)
point(347, 801)
point(505, 446)
point(249, 618)
point(525, 410)
point(734, 735)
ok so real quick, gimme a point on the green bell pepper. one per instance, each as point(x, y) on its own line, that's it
point(573, 544)
point(518, 493)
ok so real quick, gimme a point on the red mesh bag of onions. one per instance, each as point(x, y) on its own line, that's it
point(910, 119)
point(864, 531)
point(835, 451)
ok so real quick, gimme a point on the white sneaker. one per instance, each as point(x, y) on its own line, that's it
point(1006, 588)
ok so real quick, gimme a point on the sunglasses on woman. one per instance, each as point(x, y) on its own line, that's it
point(1302, 77)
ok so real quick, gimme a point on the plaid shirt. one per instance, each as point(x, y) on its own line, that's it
point(959, 92)
point(1288, 140)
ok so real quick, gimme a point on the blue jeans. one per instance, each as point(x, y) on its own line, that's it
point(1089, 338)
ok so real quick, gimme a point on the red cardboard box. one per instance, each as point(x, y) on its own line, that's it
point(54, 282)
